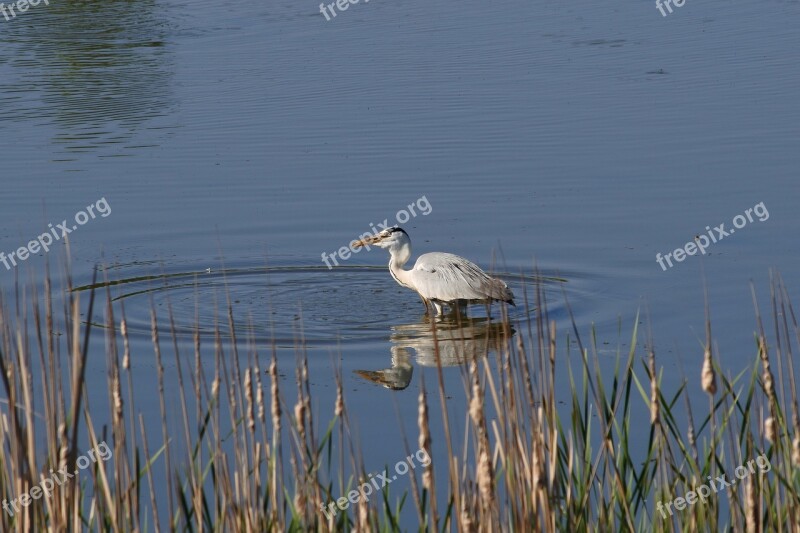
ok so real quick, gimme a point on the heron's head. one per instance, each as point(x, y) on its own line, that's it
point(385, 239)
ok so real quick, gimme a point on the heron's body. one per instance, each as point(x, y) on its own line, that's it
point(439, 278)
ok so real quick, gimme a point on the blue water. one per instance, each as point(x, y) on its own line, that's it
point(581, 139)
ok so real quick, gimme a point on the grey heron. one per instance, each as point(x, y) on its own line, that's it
point(439, 278)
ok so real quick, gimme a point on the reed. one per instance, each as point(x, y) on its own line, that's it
point(245, 457)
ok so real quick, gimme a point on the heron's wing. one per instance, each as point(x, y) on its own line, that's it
point(448, 277)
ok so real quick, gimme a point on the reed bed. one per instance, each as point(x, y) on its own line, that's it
point(246, 457)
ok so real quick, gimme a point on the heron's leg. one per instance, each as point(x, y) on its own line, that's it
point(426, 304)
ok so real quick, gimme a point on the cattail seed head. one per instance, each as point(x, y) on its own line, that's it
point(126, 357)
point(485, 477)
point(248, 394)
point(654, 405)
point(796, 450)
point(769, 383)
point(770, 431)
point(260, 401)
point(300, 418)
point(276, 402)
point(300, 503)
point(709, 377)
point(465, 518)
point(117, 396)
point(425, 439)
point(476, 402)
point(537, 466)
point(751, 506)
point(363, 516)
point(339, 406)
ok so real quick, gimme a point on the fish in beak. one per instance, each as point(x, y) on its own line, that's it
point(366, 242)
point(378, 238)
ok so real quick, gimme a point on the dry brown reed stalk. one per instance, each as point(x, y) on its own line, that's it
point(149, 473)
point(122, 478)
point(484, 470)
point(163, 407)
point(789, 324)
point(428, 482)
point(275, 466)
point(708, 380)
point(299, 457)
point(453, 469)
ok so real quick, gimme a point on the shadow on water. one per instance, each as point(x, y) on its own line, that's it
point(458, 341)
point(98, 70)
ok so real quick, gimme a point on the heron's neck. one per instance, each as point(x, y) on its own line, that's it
point(398, 258)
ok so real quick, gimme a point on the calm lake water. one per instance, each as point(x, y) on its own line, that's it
point(239, 142)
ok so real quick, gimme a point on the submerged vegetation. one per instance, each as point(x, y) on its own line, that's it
point(244, 457)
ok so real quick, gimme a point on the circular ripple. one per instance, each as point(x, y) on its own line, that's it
point(278, 304)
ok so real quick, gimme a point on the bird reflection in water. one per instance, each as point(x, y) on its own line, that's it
point(459, 339)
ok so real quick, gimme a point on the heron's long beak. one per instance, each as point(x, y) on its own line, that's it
point(365, 242)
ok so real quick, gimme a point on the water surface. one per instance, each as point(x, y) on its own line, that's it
point(237, 144)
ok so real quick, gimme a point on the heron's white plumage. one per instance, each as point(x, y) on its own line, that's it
point(439, 278)
point(448, 277)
